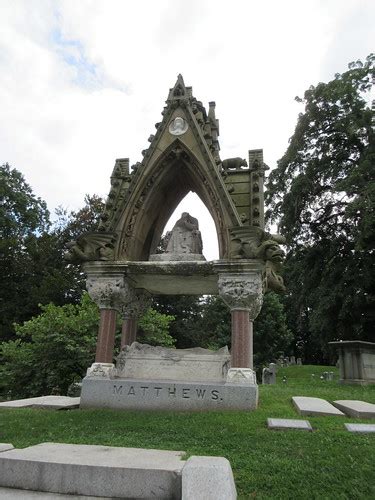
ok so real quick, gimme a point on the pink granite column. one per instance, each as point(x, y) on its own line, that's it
point(106, 336)
point(242, 339)
point(129, 331)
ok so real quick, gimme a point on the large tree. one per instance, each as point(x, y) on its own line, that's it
point(23, 218)
point(322, 195)
point(32, 266)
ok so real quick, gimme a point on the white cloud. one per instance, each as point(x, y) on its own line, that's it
point(83, 82)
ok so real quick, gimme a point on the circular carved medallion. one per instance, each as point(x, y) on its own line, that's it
point(178, 126)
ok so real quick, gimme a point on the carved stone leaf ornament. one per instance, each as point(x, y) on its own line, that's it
point(242, 291)
point(107, 293)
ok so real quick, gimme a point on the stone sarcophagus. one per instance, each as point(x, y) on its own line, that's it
point(141, 361)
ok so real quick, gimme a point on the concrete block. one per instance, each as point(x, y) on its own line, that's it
point(208, 478)
point(6, 447)
point(288, 423)
point(356, 409)
point(93, 470)
point(315, 406)
point(44, 402)
point(133, 394)
point(361, 428)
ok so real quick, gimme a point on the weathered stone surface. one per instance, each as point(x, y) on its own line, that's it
point(357, 409)
point(163, 395)
point(241, 376)
point(208, 478)
point(6, 447)
point(43, 402)
point(288, 423)
point(142, 361)
point(17, 494)
point(314, 406)
point(361, 428)
point(93, 470)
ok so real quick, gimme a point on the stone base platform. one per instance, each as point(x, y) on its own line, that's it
point(49, 470)
point(131, 394)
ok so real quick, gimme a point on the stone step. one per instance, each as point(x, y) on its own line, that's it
point(356, 409)
point(315, 406)
point(100, 471)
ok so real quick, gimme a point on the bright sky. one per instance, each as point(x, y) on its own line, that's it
point(84, 81)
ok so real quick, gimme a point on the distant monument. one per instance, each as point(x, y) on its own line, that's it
point(124, 269)
point(184, 242)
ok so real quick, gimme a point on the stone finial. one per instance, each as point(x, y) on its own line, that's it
point(242, 291)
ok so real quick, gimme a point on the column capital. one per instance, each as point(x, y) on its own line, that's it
point(135, 304)
point(108, 292)
point(242, 291)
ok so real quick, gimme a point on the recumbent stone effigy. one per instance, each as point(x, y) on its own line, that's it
point(125, 267)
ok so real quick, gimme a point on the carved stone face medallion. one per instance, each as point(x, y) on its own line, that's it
point(178, 126)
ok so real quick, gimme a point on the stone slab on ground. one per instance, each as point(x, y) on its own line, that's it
point(166, 395)
point(93, 470)
point(208, 478)
point(361, 428)
point(288, 423)
point(16, 494)
point(356, 409)
point(6, 447)
point(315, 406)
point(44, 402)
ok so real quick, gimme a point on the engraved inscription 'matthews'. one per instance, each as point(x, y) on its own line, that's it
point(153, 391)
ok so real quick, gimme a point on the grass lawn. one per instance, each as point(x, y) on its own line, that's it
point(329, 463)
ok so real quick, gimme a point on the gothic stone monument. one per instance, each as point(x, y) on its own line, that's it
point(123, 268)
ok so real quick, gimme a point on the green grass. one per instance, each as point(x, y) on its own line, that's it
point(329, 463)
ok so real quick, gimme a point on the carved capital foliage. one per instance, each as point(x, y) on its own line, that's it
point(136, 303)
point(242, 291)
point(107, 292)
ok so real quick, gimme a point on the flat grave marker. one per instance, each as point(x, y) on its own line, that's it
point(288, 423)
point(360, 428)
point(356, 409)
point(315, 407)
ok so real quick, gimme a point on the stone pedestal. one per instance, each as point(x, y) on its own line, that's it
point(160, 378)
point(357, 361)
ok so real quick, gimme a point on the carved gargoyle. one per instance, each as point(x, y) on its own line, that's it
point(91, 246)
point(250, 242)
point(234, 163)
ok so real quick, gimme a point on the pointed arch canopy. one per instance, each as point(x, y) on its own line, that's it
point(175, 173)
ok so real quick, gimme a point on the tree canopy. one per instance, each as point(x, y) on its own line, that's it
point(322, 196)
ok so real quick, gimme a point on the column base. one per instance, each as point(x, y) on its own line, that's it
point(101, 370)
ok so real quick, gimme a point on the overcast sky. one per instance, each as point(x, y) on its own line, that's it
point(84, 81)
